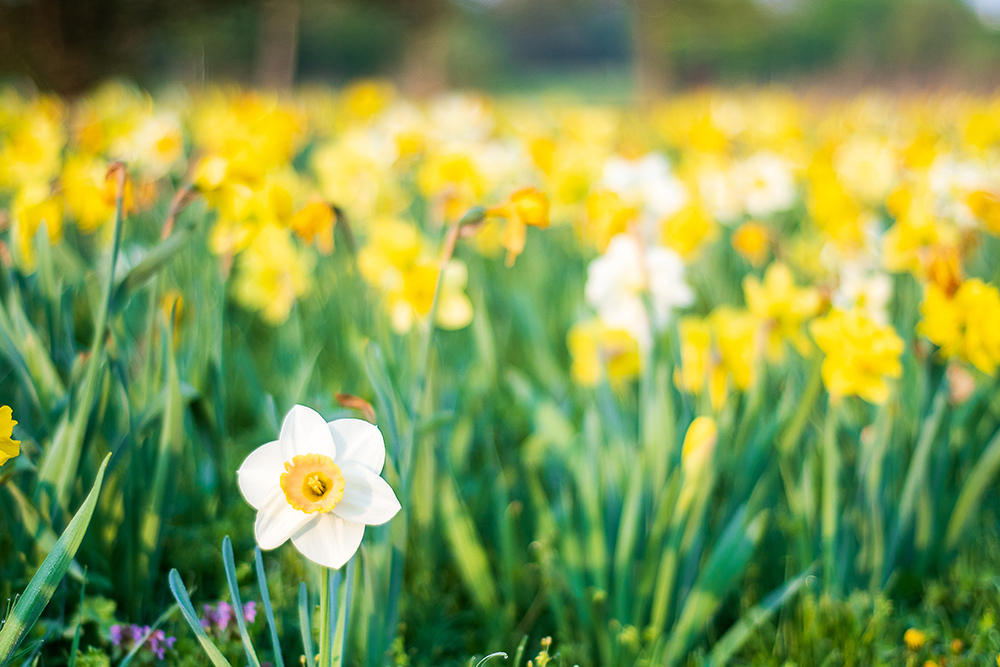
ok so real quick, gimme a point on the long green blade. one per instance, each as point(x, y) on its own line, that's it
point(234, 591)
point(181, 595)
point(41, 587)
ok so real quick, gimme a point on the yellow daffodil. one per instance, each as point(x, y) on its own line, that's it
point(526, 207)
point(964, 324)
point(752, 241)
point(9, 448)
point(688, 230)
point(90, 193)
point(397, 261)
point(605, 216)
point(782, 307)
point(313, 223)
point(272, 273)
point(718, 353)
point(860, 354)
point(598, 352)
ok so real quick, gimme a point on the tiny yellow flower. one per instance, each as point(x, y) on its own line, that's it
point(964, 325)
point(860, 354)
point(914, 639)
point(753, 242)
point(9, 448)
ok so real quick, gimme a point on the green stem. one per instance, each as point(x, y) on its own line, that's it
point(326, 603)
point(831, 471)
point(801, 416)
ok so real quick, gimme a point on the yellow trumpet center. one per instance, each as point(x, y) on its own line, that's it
point(312, 483)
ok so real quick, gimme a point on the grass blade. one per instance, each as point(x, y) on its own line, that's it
point(234, 591)
point(982, 475)
point(184, 601)
point(305, 625)
point(41, 587)
point(268, 611)
point(731, 642)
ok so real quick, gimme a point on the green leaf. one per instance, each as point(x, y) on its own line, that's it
point(983, 474)
point(305, 625)
point(268, 611)
point(41, 587)
point(234, 592)
point(731, 642)
point(181, 595)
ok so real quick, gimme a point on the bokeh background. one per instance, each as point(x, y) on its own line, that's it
point(599, 49)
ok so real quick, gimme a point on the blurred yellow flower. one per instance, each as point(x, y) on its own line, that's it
point(35, 205)
point(986, 206)
point(526, 207)
point(860, 354)
point(314, 222)
point(753, 242)
point(914, 639)
point(90, 193)
point(688, 230)
point(606, 216)
point(272, 273)
point(598, 352)
point(9, 448)
point(718, 352)
point(699, 442)
point(782, 307)
point(965, 324)
point(396, 260)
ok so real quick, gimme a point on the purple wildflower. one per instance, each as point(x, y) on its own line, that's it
point(250, 611)
point(116, 634)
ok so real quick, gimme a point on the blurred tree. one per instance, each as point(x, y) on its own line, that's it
point(69, 45)
point(277, 43)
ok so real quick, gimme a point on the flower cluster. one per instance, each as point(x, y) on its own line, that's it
point(220, 619)
point(127, 636)
point(808, 209)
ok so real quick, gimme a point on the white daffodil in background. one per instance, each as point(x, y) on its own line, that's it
point(319, 484)
point(618, 280)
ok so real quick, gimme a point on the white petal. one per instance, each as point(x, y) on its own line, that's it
point(367, 497)
point(277, 521)
point(260, 473)
point(330, 541)
point(359, 442)
point(304, 431)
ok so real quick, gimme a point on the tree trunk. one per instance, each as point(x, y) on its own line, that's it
point(425, 55)
point(651, 60)
point(277, 44)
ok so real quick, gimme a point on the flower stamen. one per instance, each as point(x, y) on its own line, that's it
point(312, 483)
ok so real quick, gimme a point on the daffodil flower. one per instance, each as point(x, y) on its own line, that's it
point(319, 486)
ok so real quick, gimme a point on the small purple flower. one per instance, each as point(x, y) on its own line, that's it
point(139, 632)
point(250, 611)
point(170, 641)
point(116, 634)
point(224, 614)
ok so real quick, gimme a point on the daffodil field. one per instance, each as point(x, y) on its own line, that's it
point(346, 378)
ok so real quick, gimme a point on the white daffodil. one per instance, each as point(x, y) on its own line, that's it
point(618, 280)
point(318, 485)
